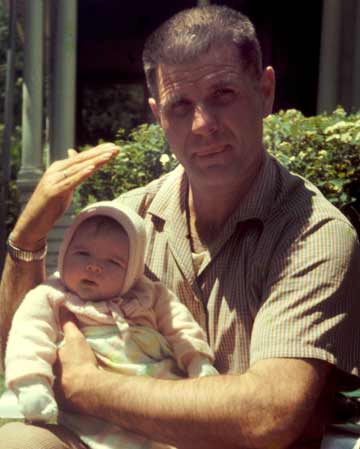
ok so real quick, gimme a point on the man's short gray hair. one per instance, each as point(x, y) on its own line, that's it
point(192, 32)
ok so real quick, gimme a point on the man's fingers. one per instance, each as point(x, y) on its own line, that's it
point(94, 155)
point(54, 191)
point(75, 349)
point(68, 320)
point(87, 161)
point(105, 149)
point(71, 153)
point(69, 173)
point(99, 150)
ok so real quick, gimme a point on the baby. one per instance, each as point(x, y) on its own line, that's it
point(134, 325)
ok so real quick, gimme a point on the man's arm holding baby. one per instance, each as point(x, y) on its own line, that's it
point(50, 199)
point(266, 407)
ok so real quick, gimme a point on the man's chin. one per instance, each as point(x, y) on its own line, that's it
point(215, 175)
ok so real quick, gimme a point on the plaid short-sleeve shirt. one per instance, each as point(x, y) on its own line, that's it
point(282, 279)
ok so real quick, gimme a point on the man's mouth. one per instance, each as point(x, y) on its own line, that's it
point(211, 151)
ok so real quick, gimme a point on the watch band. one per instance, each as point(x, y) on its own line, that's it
point(23, 254)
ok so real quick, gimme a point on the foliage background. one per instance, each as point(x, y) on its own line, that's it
point(13, 203)
point(104, 109)
point(13, 206)
point(18, 69)
point(324, 149)
point(144, 156)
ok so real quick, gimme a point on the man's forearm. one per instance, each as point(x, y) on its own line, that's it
point(247, 411)
point(197, 413)
point(17, 279)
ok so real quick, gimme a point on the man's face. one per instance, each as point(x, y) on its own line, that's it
point(95, 262)
point(211, 112)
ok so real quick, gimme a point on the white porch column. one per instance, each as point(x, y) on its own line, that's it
point(32, 106)
point(62, 94)
point(329, 56)
point(63, 85)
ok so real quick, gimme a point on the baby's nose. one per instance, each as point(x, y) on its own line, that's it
point(94, 268)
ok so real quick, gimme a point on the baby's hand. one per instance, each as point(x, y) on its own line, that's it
point(208, 370)
point(36, 400)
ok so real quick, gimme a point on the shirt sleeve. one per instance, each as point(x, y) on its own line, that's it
point(177, 325)
point(31, 348)
point(310, 306)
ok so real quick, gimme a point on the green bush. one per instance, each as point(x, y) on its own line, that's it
point(144, 156)
point(325, 149)
point(12, 202)
point(106, 108)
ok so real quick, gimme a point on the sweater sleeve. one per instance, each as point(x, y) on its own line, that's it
point(176, 323)
point(31, 347)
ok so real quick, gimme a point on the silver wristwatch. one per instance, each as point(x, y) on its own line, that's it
point(23, 254)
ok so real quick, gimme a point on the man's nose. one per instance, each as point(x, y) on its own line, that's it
point(204, 120)
point(93, 267)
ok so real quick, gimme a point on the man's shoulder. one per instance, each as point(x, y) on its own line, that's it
point(297, 196)
point(300, 213)
point(141, 198)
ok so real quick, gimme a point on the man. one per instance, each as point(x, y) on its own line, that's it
point(266, 265)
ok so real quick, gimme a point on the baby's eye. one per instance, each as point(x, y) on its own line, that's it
point(116, 263)
point(82, 253)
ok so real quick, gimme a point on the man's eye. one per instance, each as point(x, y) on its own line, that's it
point(224, 94)
point(180, 108)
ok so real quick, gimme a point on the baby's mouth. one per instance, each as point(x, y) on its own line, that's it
point(88, 283)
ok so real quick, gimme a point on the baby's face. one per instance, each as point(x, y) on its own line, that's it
point(96, 260)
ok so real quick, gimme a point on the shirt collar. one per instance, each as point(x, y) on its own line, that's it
point(261, 197)
point(172, 196)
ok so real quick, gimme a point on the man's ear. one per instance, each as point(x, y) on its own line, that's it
point(267, 83)
point(154, 109)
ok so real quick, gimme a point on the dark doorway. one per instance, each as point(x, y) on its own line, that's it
point(111, 90)
point(289, 33)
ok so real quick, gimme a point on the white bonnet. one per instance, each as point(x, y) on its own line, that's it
point(133, 225)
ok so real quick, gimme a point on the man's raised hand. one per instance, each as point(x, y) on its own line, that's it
point(53, 194)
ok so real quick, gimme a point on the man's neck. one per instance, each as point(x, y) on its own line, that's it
point(209, 209)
